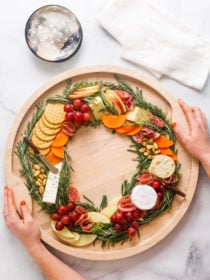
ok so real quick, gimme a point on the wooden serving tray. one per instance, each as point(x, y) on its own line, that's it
point(101, 163)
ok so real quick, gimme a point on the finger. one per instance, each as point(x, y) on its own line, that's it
point(204, 121)
point(11, 204)
point(26, 215)
point(181, 134)
point(5, 208)
point(187, 110)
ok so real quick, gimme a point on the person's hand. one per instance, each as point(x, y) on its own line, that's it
point(24, 228)
point(196, 141)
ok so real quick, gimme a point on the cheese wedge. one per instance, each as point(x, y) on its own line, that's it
point(51, 187)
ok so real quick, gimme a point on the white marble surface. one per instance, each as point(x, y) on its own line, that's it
point(185, 253)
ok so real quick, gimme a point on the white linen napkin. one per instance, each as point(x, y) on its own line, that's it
point(157, 41)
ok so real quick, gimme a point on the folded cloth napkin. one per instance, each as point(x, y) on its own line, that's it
point(157, 41)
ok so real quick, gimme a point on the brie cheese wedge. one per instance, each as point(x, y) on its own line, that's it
point(51, 187)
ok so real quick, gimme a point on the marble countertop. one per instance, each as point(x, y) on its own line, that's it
point(184, 253)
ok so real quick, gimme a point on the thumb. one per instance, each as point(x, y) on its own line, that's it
point(25, 212)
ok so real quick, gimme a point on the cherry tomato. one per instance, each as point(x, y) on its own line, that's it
point(77, 103)
point(55, 217)
point(131, 231)
point(160, 196)
point(68, 108)
point(59, 225)
point(62, 210)
point(86, 117)
point(129, 216)
point(78, 124)
point(84, 108)
point(73, 194)
point(74, 216)
point(71, 206)
point(120, 217)
point(69, 116)
point(70, 226)
point(118, 227)
point(114, 218)
point(78, 116)
point(65, 219)
point(135, 224)
point(161, 188)
point(137, 214)
point(156, 184)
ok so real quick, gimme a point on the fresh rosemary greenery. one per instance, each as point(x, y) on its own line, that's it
point(106, 233)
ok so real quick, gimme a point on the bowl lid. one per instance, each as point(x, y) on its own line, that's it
point(53, 33)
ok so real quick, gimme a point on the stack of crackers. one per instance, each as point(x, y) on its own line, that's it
point(48, 126)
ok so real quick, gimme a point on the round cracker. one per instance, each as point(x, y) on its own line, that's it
point(54, 113)
point(42, 136)
point(49, 124)
point(39, 143)
point(47, 130)
point(162, 166)
point(45, 151)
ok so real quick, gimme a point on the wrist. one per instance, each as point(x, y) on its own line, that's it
point(205, 161)
point(34, 247)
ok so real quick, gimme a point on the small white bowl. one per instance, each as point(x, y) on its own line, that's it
point(53, 33)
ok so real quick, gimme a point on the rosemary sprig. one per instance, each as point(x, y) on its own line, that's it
point(108, 236)
point(58, 98)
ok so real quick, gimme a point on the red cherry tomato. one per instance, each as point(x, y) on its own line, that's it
point(84, 108)
point(78, 116)
point(69, 116)
point(55, 217)
point(120, 217)
point(135, 224)
point(118, 227)
point(114, 218)
point(65, 219)
point(137, 214)
point(77, 103)
point(71, 206)
point(78, 124)
point(68, 108)
point(131, 231)
point(59, 225)
point(62, 210)
point(129, 216)
point(156, 184)
point(73, 194)
point(86, 117)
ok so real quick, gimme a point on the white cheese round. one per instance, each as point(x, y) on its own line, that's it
point(144, 197)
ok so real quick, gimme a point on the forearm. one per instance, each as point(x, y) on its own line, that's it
point(52, 267)
point(205, 161)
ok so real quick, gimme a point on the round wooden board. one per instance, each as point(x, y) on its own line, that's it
point(101, 163)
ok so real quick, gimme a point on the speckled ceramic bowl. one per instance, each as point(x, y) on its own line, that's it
point(53, 33)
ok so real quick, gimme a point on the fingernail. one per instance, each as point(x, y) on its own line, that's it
point(173, 124)
point(6, 188)
point(22, 203)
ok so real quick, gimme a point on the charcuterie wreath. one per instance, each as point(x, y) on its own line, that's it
point(74, 218)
